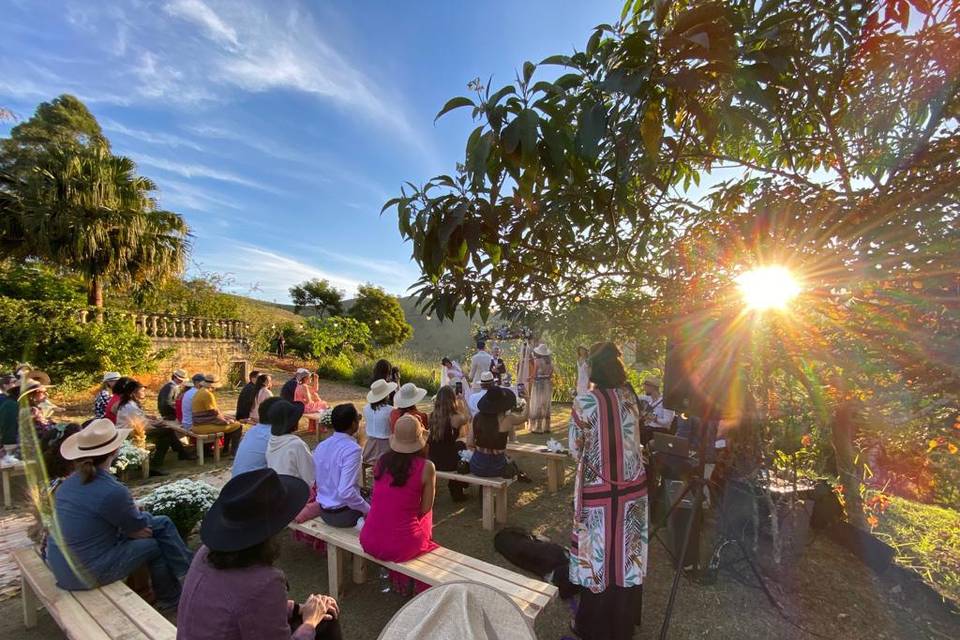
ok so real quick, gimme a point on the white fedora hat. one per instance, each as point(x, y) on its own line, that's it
point(409, 395)
point(97, 438)
point(542, 350)
point(380, 389)
point(486, 376)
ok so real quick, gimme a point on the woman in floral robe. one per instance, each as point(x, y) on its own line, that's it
point(608, 554)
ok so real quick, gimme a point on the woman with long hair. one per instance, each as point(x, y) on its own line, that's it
point(130, 414)
point(449, 426)
point(261, 392)
point(541, 390)
point(383, 370)
point(399, 526)
point(608, 555)
point(496, 418)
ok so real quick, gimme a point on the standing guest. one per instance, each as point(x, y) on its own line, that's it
point(233, 591)
point(541, 390)
point(307, 393)
point(289, 388)
point(608, 556)
point(497, 366)
point(487, 382)
point(207, 417)
point(247, 396)
point(479, 363)
point(525, 363)
point(184, 388)
point(399, 526)
point(167, 396)
point(110, 412)
point(106, 536)
point(262, 394)
point(339, 501)
point(281, 345)
point(376, 417)
point(252, 452)
point(405, 402)
point(106, 392)
point(583, 370)
point(449, 425)
point(287, 453)
point(10, 425)
point(130, 412)
point(491, 427)
point(658, 416)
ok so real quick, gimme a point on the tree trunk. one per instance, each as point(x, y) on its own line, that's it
point(843, 428)
point(95, 293)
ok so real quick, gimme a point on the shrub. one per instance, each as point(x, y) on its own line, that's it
point(184, 501)
point(322, 337)
point(336, 367)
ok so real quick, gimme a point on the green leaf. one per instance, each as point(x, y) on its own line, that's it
point(477, 158)
point(391, 202)
point(558, 59)
point(593, 122)
point(594, 43)
point(529, 123)
point(511, 136)
point(528, 69)
point(651, 129)
point(454, 103)
point(498, 96)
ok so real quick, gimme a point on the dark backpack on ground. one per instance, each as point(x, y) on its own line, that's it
point(539, 557)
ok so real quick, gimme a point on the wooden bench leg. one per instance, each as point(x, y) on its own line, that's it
point(501, 506)
point(554, 475)
point(145, 468)
point(359, 569)
point(216, 446)
point(7, 491)
point(335, 572)
point(30, 603)
point(488, 515)
point(199, 451)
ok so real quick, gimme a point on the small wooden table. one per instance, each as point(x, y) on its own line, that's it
point(555, 461)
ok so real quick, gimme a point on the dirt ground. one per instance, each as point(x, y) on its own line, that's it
point(830, 594)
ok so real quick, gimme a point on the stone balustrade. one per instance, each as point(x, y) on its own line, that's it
point(172, 327)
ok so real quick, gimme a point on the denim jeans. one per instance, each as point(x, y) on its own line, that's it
point(165, 553)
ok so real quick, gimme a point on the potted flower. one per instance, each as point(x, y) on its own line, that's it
point(128, 457)
point(184, 501)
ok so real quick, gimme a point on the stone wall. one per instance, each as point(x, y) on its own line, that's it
point(219, 356)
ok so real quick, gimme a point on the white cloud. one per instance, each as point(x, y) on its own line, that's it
point(151, 137)
point(174, 194)
point(198, 12)
point(191, 170)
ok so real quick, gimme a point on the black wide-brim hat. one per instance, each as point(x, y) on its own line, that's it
point(284, 417)
point(497, 400)
point(252, 508)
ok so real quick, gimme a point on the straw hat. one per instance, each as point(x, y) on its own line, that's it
point(486, 376)
point(30, 386)
point(97, 438)
point(111, 376)
point(380, 389)
point(409, 395)
point(409, 436)
point(211, 379)
point(179, 374)
point(542, 350)
point(463, 610)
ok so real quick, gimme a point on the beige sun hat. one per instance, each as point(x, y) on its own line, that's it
point(111, 376)
point(32, 385)
point(380, 389)
point(97, 438)
point(542, 350)
point(180, 374)
point(462, 610)
point(409, 395)
point(408, 436)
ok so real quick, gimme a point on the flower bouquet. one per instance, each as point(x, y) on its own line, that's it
point(326, 418)
point(184, 501)
point(128, 456)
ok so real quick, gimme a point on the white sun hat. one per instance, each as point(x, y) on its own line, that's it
point(542, 350)
point(409, 395)
point(380, 389)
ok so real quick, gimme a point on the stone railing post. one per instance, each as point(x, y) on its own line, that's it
point(153, 326)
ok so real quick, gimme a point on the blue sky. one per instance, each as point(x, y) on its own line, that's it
point(279, 127)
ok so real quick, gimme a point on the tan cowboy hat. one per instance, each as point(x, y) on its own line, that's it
point(97, 438)
point(542, 350)
point(380, 389)
point(408, 436)
point(654, 382)
point(30, 386)
point(211, 379)
point(111, 376)
point(409, 395)
point(180, 374)
point(462, 610)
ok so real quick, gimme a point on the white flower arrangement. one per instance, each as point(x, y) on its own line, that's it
point(326, 417)
point(555, 446)
point(128, 456)
point(184, 501)
point(521, 405)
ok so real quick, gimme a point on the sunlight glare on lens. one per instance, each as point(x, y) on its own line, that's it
point(769, 287)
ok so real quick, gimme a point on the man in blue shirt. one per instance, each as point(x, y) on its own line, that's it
point(187, 406)
point(252, 452)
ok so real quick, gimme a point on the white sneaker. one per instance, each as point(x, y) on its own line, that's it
point(9, 460)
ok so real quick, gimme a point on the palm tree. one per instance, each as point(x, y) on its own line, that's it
point(87, 210)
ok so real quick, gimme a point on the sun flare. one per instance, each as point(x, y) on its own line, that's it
point(769, 287)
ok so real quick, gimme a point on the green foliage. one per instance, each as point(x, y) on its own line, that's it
point(336, 366)
point(199, 297)
point(323, 297)
point(328, 336)
point(38, 281)
point(383, 314)
point(49, 336)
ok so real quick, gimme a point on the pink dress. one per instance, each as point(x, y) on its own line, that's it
point(394, 530)
point(308, 396)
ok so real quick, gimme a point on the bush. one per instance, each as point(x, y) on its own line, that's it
point(184, 501)
point(323, 337)
point(336, 367)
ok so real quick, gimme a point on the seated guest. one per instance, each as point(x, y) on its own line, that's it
point(376, 416)
point(287, 453)
point(252, 452)
point(233, 591)
point(289, 388)
point(104, 534)
point(491, 427)
point(167, 396)
point(36, 393)
point(307, 392)
point(246, 397)
point(487, 382)
point(186, 386)
point(106, 392)
point(10, 426)
point(110, 412)
point(405, 402)
point(399, 526)
point(207, 417)
point(262, 389)
point(57, 469)
point(130, 413)
point(337, 463)
point(449, 427)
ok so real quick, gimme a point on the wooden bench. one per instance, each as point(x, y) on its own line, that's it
point(199, 438)
point(555, 461)
point(8, 472)
point(437, 567)
point(111, 612)
point(494, 495)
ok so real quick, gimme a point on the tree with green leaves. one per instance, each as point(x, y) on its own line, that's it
point(383, 314)
point(691, 140)
point(319, 294)
point(68, 200)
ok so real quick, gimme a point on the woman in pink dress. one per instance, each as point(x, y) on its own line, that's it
point(399, 526)
point(308, 392)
